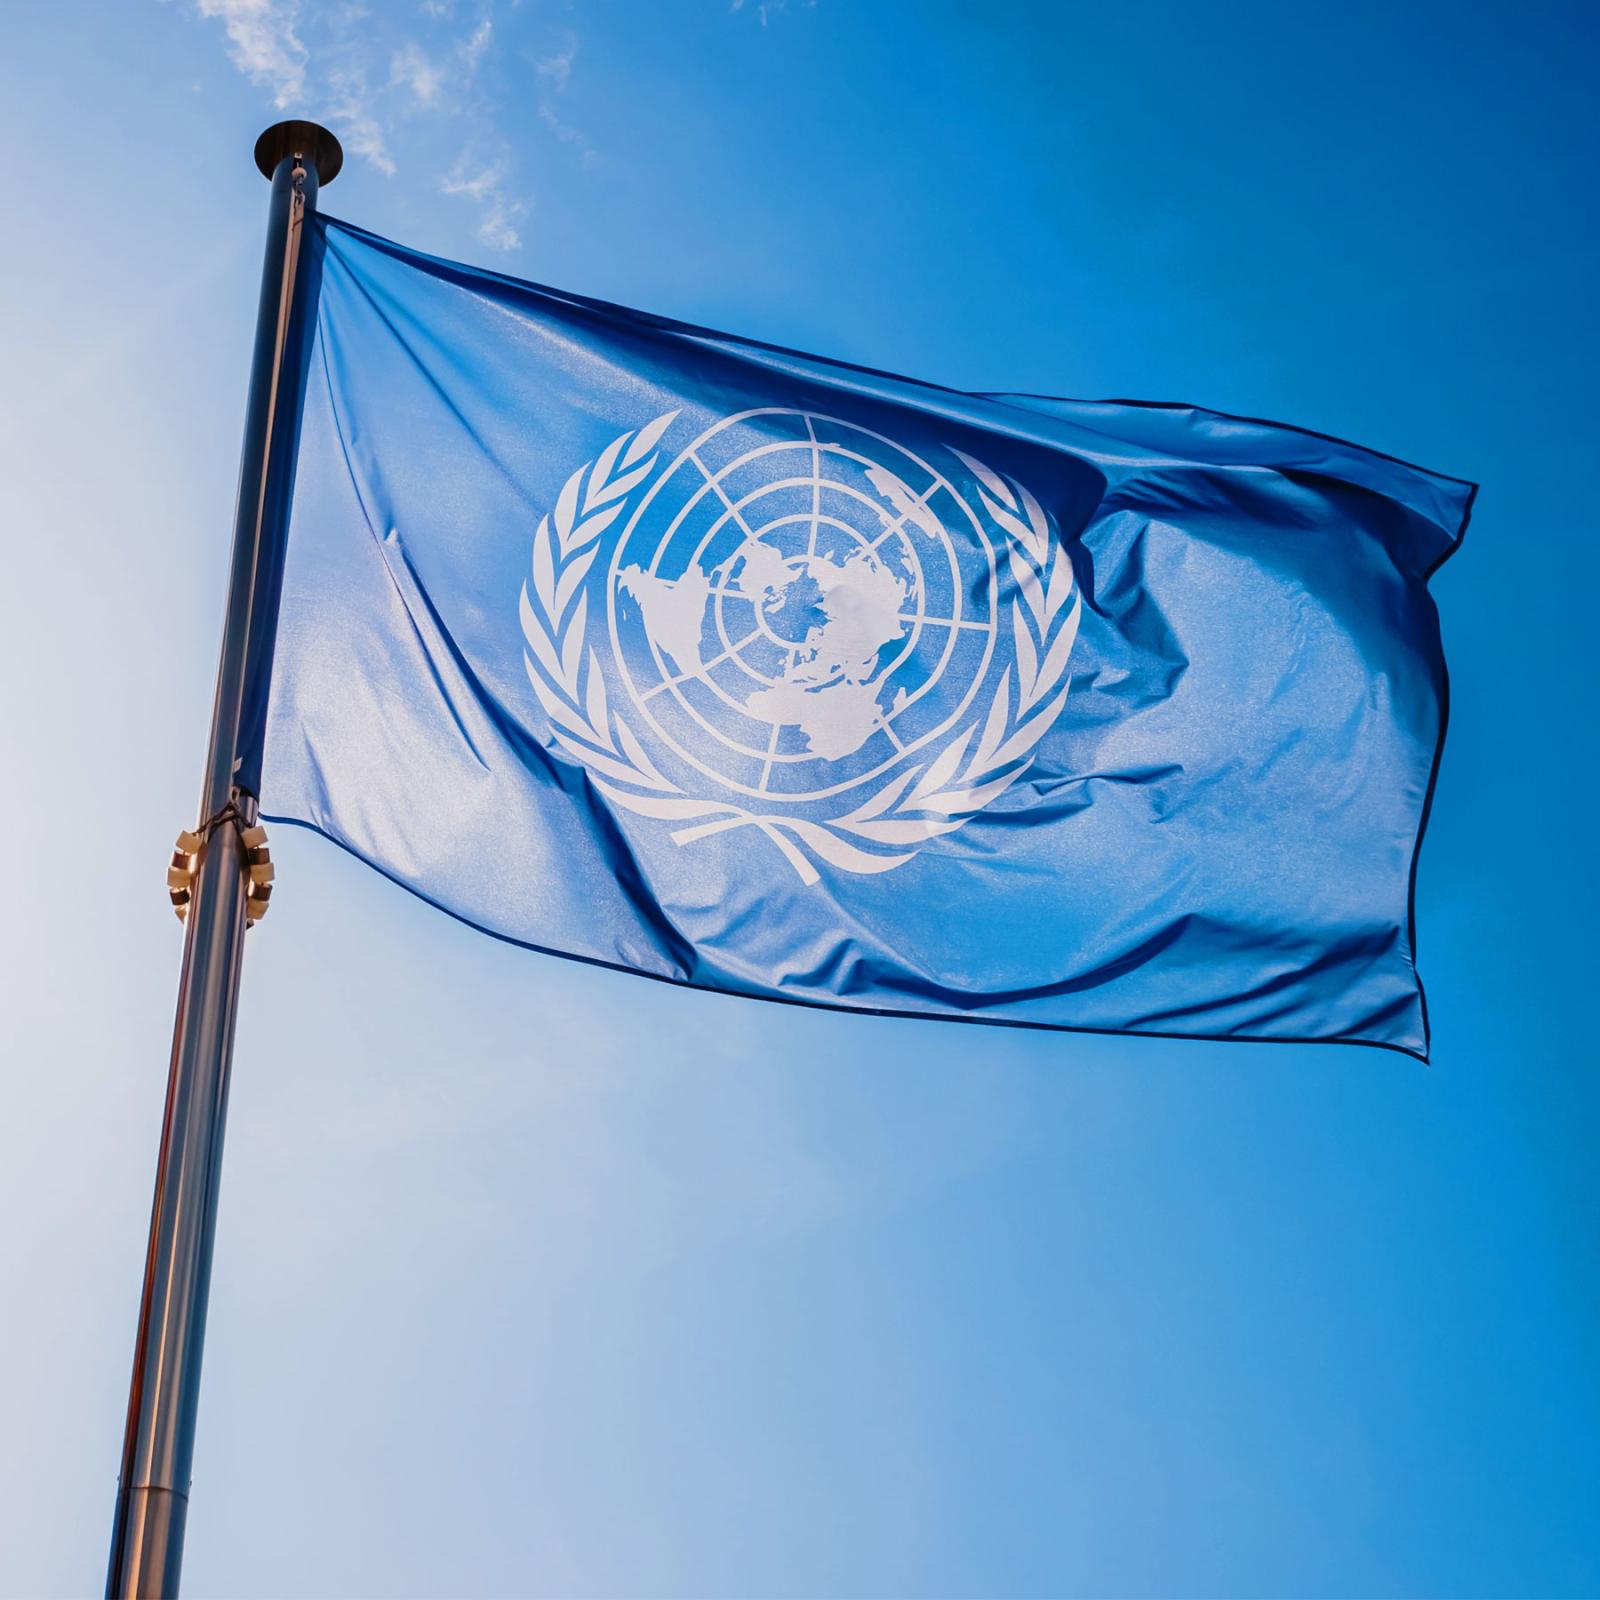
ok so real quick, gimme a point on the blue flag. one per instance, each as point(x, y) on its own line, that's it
point(654, 647)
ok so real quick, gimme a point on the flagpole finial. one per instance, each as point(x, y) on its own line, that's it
point(300, 139)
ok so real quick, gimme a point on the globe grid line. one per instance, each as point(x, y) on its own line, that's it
point(905, 616)
point(677, 679)
point(735, 509)
point(938, 481)
point(816, 491)
point(919, 618)
point(713, 479)
point(715, 661)
point(904, 812)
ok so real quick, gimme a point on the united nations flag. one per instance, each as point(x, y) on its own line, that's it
point(654, 647)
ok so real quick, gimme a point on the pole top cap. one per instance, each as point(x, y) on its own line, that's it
point(300, 139)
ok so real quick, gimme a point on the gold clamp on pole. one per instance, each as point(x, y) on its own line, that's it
point(186, 856)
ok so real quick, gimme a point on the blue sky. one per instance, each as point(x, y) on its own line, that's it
point(534, 1279)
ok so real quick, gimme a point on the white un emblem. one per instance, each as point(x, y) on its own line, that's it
point(799, 626)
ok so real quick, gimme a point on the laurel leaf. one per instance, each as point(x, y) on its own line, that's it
point(893, 832)
point(834, 850)
point(533, 630)
point(577, 569)
point(609, 765)
point(1038, 524)
point(992, 481)
point(943, 769)
point(1028, 585)
point(1030, 732)
point(544, 572)
point(572, 648)
point(666, 808)
point(594, 525)
point(1008, 520)
point(994, 726)
point(796, 859)
point(604, 465)
point(1060, 585)
point(734, 818)
point(634, 751)
point(743, 819)
point(883, 799)
point(567, 509)
point(629, 481)
point(644, 441)
point(956, 800)
point(1055, 663)
point(1027, 659)
point(594, 705)
point(985, 792)
point(554, 707)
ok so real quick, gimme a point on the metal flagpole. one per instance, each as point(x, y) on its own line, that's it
point(220, 880)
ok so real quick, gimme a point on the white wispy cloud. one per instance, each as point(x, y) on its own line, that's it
point(441, 77)
point(412, 67)
point(350, 110)
point(389, 79)
point(486, 188)
point(263, 44)
point(767, 9)
point(553, 73)
point(473, 47)
point(555, 69)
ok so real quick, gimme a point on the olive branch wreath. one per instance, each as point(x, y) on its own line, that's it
point(916, 806)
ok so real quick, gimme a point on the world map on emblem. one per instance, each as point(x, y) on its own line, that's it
point(800, 602)
point(792, 624)
point(824, 623)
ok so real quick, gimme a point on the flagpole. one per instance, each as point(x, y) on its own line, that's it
point(163, 1396)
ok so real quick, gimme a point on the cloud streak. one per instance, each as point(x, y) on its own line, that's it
point(767, 9)
point(263, 44)
point(553, 73)
point(350, 110)
point(412, 67)
point(406, 85)
point(486, 188)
